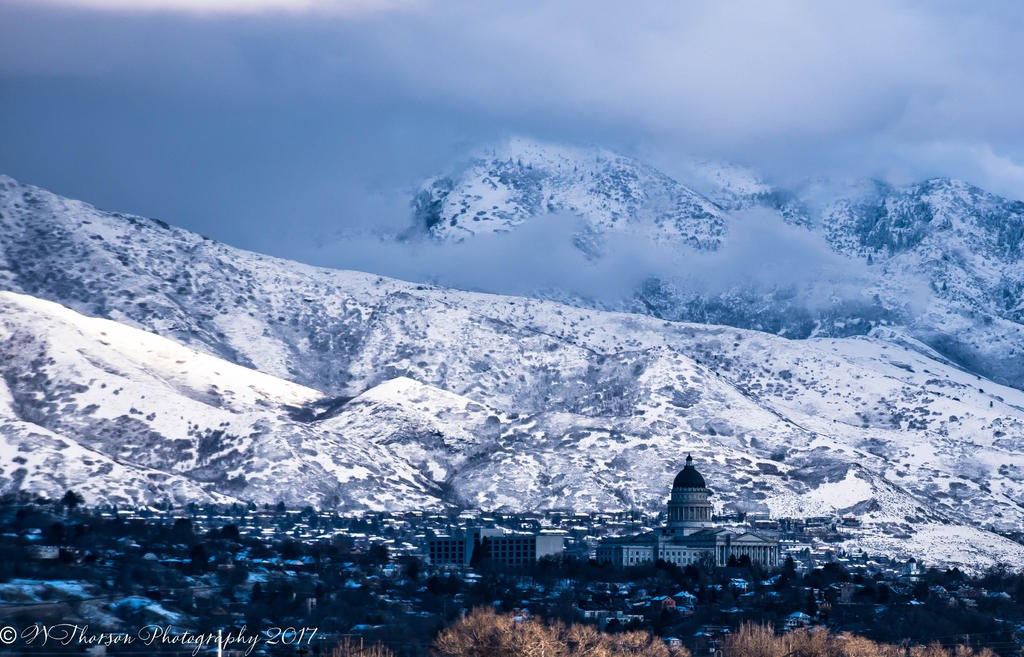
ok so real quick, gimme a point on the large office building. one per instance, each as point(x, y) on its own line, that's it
point(508, 549)
point(690, 533)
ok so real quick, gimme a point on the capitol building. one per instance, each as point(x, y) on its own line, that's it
point(689, 533)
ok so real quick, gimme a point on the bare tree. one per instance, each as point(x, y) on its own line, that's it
point(349, 648)
point(752, 640)
point(485, 633)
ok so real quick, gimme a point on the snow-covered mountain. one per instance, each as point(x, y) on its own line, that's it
point(617, 195)
point(941, 259)
point(178, 367)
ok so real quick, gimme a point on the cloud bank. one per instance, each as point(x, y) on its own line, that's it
point(340, 7)
point(267, 123)
point(760, 252)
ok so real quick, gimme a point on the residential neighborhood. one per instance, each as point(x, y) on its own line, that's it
point(369, 576)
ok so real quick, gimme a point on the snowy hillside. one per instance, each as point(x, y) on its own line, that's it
point(941, 259)
point(126, 416)
point(408, 395)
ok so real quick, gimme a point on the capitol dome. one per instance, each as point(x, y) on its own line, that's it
point(688, 477)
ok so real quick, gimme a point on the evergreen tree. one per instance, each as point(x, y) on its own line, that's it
point(71, 499)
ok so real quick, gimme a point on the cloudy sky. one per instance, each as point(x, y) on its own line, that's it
point(270, 124)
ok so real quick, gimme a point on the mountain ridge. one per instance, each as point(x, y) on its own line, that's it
point(942, 259)
point(416, 396)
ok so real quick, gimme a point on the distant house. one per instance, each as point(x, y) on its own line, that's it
point(685, 599)
point(45, 552)
point(797, 620)
point(661, 604)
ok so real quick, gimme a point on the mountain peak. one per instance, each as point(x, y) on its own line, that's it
point(523, 180)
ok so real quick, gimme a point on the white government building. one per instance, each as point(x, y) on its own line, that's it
point(690, 533)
